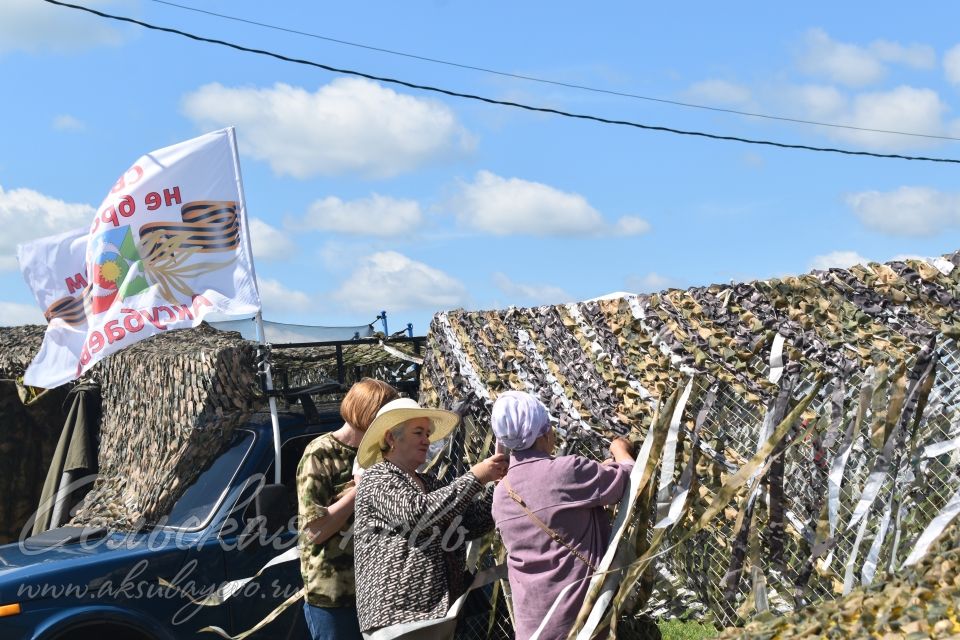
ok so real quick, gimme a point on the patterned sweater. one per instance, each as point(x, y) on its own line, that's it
point(410, 545)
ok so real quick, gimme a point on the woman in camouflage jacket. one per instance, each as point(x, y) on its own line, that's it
point(326, 490)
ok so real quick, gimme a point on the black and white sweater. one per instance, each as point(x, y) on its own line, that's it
point(409, 546)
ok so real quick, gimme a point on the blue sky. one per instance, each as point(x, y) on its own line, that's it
point(366, 196)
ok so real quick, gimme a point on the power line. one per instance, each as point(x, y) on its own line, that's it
point(569, 85)
point(518, 105)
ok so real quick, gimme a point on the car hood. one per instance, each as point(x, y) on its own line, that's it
point(24, 568)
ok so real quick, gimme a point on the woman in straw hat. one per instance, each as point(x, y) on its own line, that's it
point(326, 490)
point(550, 514)
point(411, 529)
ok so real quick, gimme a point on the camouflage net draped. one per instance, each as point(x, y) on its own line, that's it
point(170, 404)
point(752, 503)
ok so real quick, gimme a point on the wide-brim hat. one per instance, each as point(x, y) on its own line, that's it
point(397, 412)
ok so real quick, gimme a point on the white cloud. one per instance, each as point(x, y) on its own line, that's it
point(511, 206)
point(269, 243)
point(818, 101)
point(14, 313)
point(901, 257)
point(390, 280)
point(536, 294)
point(720, 92)
point(66, 122)
point(277, 298)
point(951, 64)
point(918, 56)
point(649, 283)
point(855, 65)
point(348, 126)
point(840, 62)
point(375, 216)
point(903, 108)
point(907, 211)
point(838, 260)
point(632, 226)
point(28, 25)
point(27, 215)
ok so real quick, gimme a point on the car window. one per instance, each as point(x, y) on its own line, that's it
point(201, 498)
point(290, 454)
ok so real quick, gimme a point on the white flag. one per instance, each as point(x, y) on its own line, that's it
point(167, 246)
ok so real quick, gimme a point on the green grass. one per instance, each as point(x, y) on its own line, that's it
point(680, 630)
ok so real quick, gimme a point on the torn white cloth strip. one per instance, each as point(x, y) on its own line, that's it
point(870, 492)
point(934, 529)
point(885, 460)
point(669, 461)
point(873, 556)
point(852, 559)
point(438, 627)
point(610, 580)
point(837, 468)
point(940, 448)
point(397, 353)
point(686, 478)
point(228, 589)
point(942, 264)
point(776, 358)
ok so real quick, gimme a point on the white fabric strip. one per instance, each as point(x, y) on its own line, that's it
point(400, 354)
point(776, 358)
point(438, 627)
point(873, 556)
point(669, 460)
point(610, 581)
point(852, 560)
point(933, 530)
point(945, 266)
point(469, 373)
point(940, 448)
point(228, 589)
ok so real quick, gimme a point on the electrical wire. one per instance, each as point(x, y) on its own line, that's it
point(558, 83)
point(517, 105)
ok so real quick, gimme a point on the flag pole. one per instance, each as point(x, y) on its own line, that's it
point(261, 335)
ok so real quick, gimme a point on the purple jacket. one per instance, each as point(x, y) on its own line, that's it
point(568, 494)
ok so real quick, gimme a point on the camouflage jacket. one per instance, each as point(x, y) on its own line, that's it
point(324, 472)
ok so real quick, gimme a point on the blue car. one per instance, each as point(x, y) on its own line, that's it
point(72, 583)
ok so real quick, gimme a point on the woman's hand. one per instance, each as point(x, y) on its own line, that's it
point(493, 468)
point(621, 450)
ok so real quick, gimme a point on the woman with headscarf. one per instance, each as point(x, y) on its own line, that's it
point(326, 490)
point(551, 516)
point(411, 529)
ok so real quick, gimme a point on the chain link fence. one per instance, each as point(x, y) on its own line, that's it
point(841, 503)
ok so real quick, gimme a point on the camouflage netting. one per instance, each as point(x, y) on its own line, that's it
point(922, 602)
point(800, 433)
point(29, 433)
point(170, 404)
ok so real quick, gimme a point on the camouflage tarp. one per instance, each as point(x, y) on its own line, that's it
point(750, 508)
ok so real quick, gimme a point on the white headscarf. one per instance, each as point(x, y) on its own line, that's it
point(519, 419)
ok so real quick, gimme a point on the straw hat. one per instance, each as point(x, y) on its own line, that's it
point(394, 413)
